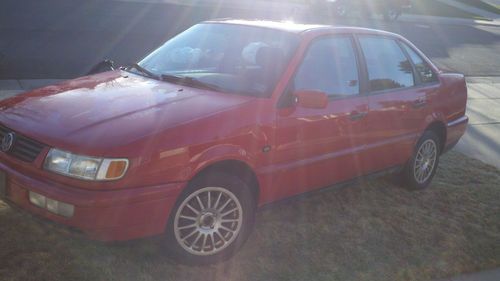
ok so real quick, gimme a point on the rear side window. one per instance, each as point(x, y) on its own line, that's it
point(424, 71)
point(388, 67)
point(329, 66)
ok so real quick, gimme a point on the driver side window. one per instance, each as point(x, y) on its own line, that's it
point(329, 66)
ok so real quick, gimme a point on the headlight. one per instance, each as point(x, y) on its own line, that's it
point(84, 167)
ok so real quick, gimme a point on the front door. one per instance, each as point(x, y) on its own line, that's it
point(317, 147)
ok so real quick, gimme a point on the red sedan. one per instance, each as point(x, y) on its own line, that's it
point(221, 119)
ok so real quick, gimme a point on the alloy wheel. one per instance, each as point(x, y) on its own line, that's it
point(392, 14)
point(208, 221)
point(341, 10)
point(425, 161)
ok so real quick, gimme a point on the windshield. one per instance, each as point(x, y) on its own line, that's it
point(233, 58)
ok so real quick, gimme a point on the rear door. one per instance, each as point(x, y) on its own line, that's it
point(316, 147)
point(397, 104)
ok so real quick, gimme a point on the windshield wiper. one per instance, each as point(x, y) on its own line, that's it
point(189, 81)
point(143, 71)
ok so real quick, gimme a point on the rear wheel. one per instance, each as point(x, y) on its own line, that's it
point(422, 166)
point(392, 14)
point(211, 220)
point(340, 10)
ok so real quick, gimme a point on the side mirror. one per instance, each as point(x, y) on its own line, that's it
point(105, 65)
point(311, 99)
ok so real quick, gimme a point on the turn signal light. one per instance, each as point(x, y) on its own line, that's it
point(116, 169)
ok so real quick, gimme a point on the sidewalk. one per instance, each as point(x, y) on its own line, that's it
point(482, 139)
point(444, 20)
point(493, 2)
point(487, 275)
point(9, 88)
point(470, 9)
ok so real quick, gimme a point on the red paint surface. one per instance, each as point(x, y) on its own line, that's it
point(170, 135)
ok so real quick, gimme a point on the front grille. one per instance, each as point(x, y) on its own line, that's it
point(23, 148)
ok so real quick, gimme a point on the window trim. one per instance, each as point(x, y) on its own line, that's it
point(284, 99)
point(367, 79)
point(420, 82)
point(416, 77)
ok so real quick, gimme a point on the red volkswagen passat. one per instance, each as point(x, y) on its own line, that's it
point(221, 119)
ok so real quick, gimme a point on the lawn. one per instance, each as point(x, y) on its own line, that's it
point(371, 230)
point(435, 8)
point(425, 7)
point(482, 5)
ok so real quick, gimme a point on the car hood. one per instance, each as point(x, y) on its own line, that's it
point(108, 110)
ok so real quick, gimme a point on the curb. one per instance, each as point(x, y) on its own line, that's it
point(487, 275)
point(26, 84)
point(470, 9)
point(5, 94)
point(12, 87)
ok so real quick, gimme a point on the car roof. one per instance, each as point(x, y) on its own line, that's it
point(283, 25)
point(298, 28)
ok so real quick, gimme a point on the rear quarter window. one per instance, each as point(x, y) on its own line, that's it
point(387, 65)
point(424, 71)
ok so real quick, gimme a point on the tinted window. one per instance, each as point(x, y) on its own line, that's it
point(329, 66)
point(423, 69)
point(235, 58)
point(388, 67)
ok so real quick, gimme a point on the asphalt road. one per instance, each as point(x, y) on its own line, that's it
point(65, 38)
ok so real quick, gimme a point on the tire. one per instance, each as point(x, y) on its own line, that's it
point(341, 10)
point(421, 168)
point(216, 232)
point(392, 14)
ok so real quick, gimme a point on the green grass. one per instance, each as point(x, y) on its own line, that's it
point(372, 231)
point(428, 8)
point(435, 8)
point(482, 5)
point(432, 8)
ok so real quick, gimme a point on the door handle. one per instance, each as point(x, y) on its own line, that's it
point(356, 115)
point(419, 103)
point(352, 83)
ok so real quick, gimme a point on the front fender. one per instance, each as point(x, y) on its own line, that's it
point(220, 153)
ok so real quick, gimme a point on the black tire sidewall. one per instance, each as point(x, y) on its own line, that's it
point(216, 179)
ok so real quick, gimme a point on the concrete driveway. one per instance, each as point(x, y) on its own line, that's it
point(482, 140)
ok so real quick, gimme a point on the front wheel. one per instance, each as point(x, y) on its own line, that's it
point(211, 220)
point(422, 166)
point(392, 14)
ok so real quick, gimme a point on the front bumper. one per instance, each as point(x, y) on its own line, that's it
point(101, 215)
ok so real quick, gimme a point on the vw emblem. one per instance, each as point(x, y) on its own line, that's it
point(8, 141)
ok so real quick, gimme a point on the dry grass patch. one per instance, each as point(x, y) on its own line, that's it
point(368, 231)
